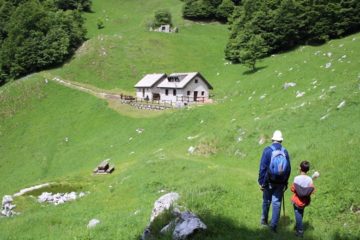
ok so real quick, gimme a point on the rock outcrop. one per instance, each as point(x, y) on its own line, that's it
point(7, 206)
point(180, 225)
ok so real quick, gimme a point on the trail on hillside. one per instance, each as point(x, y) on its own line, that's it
point(114, 99)
point(96, 92)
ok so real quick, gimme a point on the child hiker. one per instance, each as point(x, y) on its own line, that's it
point(302, 188)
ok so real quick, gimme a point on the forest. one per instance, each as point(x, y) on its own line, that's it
point(37, 34)
point(259, 28)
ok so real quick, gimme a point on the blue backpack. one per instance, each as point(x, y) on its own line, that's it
point(279, 166)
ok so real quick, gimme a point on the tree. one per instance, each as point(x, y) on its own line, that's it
point(162, 17)
point(35, 34)
point(225, 10)
point(253, 50)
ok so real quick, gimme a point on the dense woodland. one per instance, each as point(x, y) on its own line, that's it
point(262, 27)
point(36, 34)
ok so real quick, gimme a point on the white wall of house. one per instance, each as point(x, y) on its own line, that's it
point(141, 93)
point(167, 94)
point(198, 86)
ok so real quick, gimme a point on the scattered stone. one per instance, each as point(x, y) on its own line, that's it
point(332, 87)
point(341, 45)
point(202, 121)
point(66, 139)
point(324, 117)
point(329, 54)
point(290, 84)
point(233, 120)
point(341, 105)
point(59, 198)
point(217, 74)
point(355, 209)
point(328, 65)
point(93, 222)
point(262, 96)
point(279, 74)
point(262, 140)
point(299, 94)
point(46, 81)
point(250, 98)
point(191, 149)
point(130, 138)
point(192, 137)
point(139, 130)
point(290, 69)
point(7, 206)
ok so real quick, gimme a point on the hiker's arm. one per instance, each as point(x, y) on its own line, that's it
point(293, 188)
point(263, 168)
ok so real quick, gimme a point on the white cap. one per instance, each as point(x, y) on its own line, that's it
point(277, 136)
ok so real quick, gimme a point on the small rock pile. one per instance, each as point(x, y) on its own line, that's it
point(182, 224)
point(7, 206)
point(59, 198)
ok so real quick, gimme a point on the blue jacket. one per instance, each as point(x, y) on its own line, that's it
point(265, 162)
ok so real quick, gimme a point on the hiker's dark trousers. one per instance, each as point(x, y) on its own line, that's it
point(272, 194)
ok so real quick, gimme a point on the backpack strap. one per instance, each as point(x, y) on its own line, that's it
point(272, 147)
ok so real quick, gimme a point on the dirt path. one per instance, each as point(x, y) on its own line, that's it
point(91, 90)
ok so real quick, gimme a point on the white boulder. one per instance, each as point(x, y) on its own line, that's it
point(186, 225)
point(93, 222)
point(163, 203)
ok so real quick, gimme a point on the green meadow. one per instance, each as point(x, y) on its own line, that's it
point(51, 133)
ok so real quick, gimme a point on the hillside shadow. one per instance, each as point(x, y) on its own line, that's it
point(220, 227)
point(248, 72)
point(223, 228)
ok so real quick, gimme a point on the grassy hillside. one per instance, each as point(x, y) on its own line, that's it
point(220, 182)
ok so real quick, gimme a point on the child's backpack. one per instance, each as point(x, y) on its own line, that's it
point(279, 167)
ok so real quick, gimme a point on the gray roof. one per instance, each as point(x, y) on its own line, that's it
point(149, 80)
point(184, 79)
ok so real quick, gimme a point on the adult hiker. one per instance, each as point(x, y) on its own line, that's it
point(274, 173)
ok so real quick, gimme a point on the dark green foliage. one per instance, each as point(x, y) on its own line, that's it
point(83, 5)
point(284, 24)
point(35, 35)
point(208, 9)
point(224, 10)
point(162, 17)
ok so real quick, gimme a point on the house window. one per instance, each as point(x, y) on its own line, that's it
point(196, 81)
point(188, 93)
point(202, 93)
point(174, 92)
point(166, 92)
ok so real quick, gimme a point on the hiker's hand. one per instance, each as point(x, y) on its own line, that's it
point(261, 188)
point(286, 187)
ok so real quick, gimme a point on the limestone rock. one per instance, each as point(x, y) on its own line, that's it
point(186, 225)
point(93, 222)
point(163, 203)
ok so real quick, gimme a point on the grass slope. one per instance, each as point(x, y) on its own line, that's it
point(219, 183)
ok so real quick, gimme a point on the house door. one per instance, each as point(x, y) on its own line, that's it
point(195, 96)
